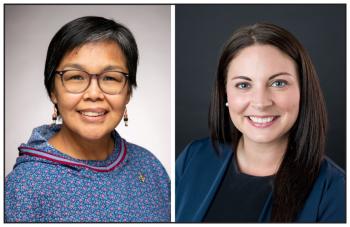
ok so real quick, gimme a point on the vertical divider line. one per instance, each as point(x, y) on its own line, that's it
point(172, 113)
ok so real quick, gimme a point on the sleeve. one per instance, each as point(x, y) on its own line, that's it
point(332, 206)
point(21, 203)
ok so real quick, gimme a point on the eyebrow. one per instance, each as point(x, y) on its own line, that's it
point(80, 67)
point(112, 67)
point(72, 65)
point(270, 78)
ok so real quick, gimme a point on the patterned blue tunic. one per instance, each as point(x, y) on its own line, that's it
point(46, 185)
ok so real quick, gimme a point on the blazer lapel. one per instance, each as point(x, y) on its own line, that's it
point(215, 174)
point(199, 187)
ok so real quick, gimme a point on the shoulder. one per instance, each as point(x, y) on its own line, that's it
point(330, 186)
point(23, 189)
point(195, 148)
point(141, 154)
point(138, 150)
point(331, 179)
point(145, 164)
point(28, 173)
point(33, 175)
point(201, 154)
point(145, 159)
point(28, 178)
point(331, 172)
point(155, 180)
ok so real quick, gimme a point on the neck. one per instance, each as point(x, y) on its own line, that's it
point(77, 147)
point(260, 159)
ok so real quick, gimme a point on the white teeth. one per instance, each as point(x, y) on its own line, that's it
point(261, 120)
point(92, 114)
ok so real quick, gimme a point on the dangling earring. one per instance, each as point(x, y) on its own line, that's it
point(126, 119)
point(54, 115)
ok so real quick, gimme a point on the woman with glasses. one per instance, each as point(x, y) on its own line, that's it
point(82, 170)
point(264, 160)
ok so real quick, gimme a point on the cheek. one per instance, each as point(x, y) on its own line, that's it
point(117, 103)
point(68, 102)
point(65, 101)
point(237, 102)
point(289, 103)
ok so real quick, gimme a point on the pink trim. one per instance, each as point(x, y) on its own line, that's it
point(33, 149)
point(76, 164)
point(120, 146)
point(53, 160)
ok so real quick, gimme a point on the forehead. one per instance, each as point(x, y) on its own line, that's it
point(95, 54)
point(261, 60)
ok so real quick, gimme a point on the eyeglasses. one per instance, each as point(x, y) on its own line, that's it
point(77, 81)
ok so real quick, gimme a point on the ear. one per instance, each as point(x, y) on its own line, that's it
point(53, 97)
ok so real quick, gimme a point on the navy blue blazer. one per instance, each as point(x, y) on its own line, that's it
point(199, 171)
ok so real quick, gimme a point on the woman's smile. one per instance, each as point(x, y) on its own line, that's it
point(262, 121)
point(93, 115)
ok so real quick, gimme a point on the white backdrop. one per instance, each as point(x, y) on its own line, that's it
point(28, 31)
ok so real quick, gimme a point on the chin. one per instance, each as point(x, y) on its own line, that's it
point(262, 138)
point(93, 133)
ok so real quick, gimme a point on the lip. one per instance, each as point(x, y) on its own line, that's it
point(262, 124)
point(100, 115)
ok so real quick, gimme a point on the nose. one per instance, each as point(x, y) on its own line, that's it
point(261, 99)
point(93, 92)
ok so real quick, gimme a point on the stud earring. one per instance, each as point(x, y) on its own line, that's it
point(226, 104)
point(54, 115)
point(126, 119)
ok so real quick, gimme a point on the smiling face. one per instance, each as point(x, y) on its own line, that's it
point(92, 114)
point(263, 93)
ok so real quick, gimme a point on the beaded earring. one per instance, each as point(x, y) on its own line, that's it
point(54, 115)
point(126, 119)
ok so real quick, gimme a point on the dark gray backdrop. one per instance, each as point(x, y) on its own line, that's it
point(200, 32)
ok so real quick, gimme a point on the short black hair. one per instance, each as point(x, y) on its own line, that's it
point(90, 29)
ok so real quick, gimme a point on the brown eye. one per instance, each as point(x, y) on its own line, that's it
point(109, 78)
point(75, 77)
point(113, 77)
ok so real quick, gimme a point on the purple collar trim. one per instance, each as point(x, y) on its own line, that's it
point(54, 158)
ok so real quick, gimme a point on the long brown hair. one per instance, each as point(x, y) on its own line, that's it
point(302, 159)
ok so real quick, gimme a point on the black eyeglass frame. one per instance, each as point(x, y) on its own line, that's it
point(97, 75)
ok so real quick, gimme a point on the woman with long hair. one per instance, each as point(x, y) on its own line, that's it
point(264, 160)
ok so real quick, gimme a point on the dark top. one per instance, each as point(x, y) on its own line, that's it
point(200, 170)
point(240, 197)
